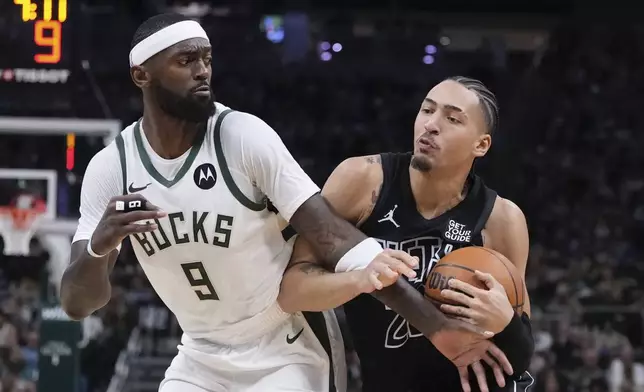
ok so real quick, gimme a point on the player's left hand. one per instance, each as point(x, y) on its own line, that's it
point(489, 309)
point(496, 359)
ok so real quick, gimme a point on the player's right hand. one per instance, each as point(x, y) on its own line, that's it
point(496, 359)
point(461, 342)
point(115, 225)
point(385, 269)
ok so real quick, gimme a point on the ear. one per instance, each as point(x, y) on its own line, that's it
point(483, 144)
point(140, 76)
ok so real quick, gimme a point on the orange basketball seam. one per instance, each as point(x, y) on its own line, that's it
point(453, 265)
point(441, 302)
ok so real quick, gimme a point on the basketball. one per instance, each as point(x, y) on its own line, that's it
point(462, 263)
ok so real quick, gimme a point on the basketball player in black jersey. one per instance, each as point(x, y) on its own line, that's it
point(426, 203)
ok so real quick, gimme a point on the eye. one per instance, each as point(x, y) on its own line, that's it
point(453, 120)
point(208, 60)
point(427, 110)
point(183, 61)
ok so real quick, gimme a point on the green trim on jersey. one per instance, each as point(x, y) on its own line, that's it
point(225, 171)
point(120, 145)
point(149, 167)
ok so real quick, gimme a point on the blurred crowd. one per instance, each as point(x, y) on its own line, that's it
point(20, 297)
point(567, 153)
point(583, 194)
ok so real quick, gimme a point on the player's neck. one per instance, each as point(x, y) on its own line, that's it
point(168, 136)
point(437, 191)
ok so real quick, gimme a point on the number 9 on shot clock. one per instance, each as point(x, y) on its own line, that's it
point(50, 21)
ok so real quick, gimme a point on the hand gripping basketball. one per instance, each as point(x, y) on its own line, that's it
point(488, 308)
point(119, 221)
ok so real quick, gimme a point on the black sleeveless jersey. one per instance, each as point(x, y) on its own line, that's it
point(394, 356)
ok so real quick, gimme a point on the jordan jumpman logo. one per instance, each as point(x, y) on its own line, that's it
point(390, 217)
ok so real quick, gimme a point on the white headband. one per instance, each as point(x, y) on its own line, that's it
point(165, 38)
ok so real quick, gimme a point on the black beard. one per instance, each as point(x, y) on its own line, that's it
point(420, 164)
point(189, 108)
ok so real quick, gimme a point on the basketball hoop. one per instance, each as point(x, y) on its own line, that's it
point(17, 226)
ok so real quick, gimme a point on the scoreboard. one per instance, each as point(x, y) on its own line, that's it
point(37, 66)
point(40, 50)
point(48, 27)
point(48, 22)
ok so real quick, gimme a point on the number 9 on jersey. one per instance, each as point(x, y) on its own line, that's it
point(199, 281)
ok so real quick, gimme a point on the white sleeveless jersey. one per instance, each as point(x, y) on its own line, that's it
point(218, 257)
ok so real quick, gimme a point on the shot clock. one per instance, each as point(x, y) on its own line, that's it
point(50, 28)
point(38, 52)
point(37, 64)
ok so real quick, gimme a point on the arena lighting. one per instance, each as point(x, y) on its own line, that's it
point(430, 49)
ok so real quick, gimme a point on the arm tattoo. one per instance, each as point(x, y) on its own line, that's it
point(373, 159)
point(310, 268)
point(329, 235)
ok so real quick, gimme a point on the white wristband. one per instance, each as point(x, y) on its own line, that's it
point(91, 251)
point(359, 256)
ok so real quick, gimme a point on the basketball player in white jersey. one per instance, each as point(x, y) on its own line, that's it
point(190, 183)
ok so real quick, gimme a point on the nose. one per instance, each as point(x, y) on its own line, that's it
point(201, 72)
point(431, 125)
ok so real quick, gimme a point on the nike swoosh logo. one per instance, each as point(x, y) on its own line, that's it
point(291, 340)
point(132, 189)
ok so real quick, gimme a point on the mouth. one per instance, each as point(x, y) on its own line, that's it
point(426, 145)
point(202, 91)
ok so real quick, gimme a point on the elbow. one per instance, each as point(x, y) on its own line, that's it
point(77, 305)
point(287, 298)
point(73, 311)
point(295, 292)
point(75, 315)
point(77, 310)
point(288, 306)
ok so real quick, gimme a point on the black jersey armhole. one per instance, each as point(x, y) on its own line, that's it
point(120, 145)
point(490, 199)
point(225, 171)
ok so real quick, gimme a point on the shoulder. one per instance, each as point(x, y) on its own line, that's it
point(104, 169)
point(506, 231)
point(506, 215)
point(237, 124)
point(106, 159)
point(357, 174)
point(354, 186)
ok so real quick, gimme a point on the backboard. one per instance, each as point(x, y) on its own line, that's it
point(53, 181)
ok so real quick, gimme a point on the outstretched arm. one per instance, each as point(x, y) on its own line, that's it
point(308, 286)
point(331, 237)
point(326, 233)
point(309, 283)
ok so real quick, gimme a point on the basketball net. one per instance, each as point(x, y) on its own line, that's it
point(19, 222)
